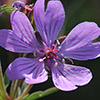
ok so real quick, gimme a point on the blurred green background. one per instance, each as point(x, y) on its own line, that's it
point(77, 11)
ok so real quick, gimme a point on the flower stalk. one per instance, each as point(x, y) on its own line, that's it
point(14, 89)
point(39, 94)
point(2, 86)
point(25, 92)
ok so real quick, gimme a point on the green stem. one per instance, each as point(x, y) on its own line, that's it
point(49, 91)
point(2, 86)
point(40, 94)
point(25, 92)
point(14, 85)
point(12, 88)
point(15, 89)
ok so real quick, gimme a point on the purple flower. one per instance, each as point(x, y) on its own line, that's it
point(50, 57)
point(18, 4)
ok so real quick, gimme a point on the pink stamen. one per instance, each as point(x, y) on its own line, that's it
point(48, 49)
point(52, 51)
point(53, 46)
point(56, 50)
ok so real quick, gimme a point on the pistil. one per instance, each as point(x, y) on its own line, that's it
point(52, 51)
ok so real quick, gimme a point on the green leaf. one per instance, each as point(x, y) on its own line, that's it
point(49, 91)
point(6, 80)
point(3, 8)
point(40, 94)
point(25, 96)
point(33, 96)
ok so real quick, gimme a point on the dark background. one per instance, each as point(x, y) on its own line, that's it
point(77, 11)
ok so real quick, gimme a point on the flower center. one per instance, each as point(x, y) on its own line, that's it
point(48, 52)
point(51, 52)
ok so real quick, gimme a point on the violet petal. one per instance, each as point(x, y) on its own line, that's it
point(79, 42)
point(22, 28)
point(81, 35)
point(49, 22)
point(89, 51)
point(11, 42)
point(31, 69)
point(68, 77)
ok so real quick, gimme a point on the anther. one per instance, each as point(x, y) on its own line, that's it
point(37, 50)
point(58, 42)
point(56, 64)
point(59, 47)
point(40, 60)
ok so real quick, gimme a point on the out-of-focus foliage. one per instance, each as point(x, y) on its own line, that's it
point(6, 80)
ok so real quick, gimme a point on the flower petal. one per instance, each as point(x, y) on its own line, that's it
point(22, 28)
point(11, 42)
point(81, 35)
point(49, 22)
point(89, 51)
point(31, 69)
point(79, 42)
point(67, 77)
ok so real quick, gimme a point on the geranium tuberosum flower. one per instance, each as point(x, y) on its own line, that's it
point(50, 57)
point(18, 4)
